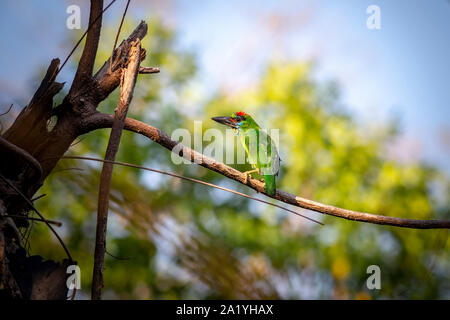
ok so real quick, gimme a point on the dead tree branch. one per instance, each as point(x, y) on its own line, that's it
point(148, 70)
point(32, 120)
point(30, 132)
point(118, 32)
point(75, 108)
point(87, 60)
point(100, 120)
point(128, 82)
point(107, 81)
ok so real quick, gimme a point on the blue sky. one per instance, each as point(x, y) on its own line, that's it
point(402, 69)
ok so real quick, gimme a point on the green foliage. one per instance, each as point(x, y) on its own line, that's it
point(183, 240)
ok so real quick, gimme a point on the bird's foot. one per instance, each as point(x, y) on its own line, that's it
point(248, 173)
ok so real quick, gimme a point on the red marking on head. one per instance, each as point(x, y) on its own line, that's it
point(241, 113)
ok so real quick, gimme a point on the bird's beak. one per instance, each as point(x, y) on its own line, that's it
point(225, 121)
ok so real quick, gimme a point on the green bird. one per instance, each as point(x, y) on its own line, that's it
point(260, 149)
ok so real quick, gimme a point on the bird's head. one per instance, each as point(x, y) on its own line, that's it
point(238, 120)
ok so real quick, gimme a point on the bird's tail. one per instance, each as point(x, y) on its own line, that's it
point(271, 188)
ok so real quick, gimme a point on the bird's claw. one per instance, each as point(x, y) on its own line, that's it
point(248, 173)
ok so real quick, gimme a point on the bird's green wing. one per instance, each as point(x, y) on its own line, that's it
point(261, 151)
point(250, 145)
point(268, 158)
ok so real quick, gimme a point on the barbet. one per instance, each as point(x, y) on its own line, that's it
point(260, 149)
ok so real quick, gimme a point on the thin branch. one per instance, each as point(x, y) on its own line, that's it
point(107, 78)
point(87, 60)
point(76, 142)
point(56, 223)
point(84, 34)
point(99, 120)
point(7, 111)
point(192, 180)
point(126, 93)
point(39, 214)
point(115, 257)
point(65, 169)
point(38, 197)
point(148, 70)
point(117, 35)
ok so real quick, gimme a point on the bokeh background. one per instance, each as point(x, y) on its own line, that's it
point(364, 124)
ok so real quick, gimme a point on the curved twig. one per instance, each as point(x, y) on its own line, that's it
point(192, 180)
point(86, 63)
point(100, 120)
point(7, 111)
point(39, 214)
point(38, 197)
point(97, 12)
point(56, 223)
point(117, 35)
